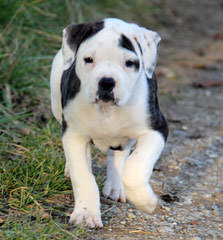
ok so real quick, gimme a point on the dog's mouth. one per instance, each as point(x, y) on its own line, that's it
point(105, 97)
point(107, 100)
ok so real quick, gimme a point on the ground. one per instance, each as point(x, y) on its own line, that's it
point(188, 178)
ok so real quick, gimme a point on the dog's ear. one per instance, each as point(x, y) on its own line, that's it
point(148, 41)
point(73, 36)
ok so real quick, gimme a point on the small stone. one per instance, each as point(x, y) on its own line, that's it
point(195, 238)
point(140, 228)
point(213, 155)
point(131, 215)
point(188, 201)
point(165, 229)
point(206, 212)
point(123, 222)
point(184, 127)
point(166, 208)
point(215, 213)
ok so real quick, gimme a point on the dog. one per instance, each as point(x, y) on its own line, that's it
point(104, 91)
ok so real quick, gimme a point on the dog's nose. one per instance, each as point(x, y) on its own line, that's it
point(105, 87)
point(106, 84)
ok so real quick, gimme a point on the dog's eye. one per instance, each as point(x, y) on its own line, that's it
point(132, 63)
point(129, 63)
point(88, 60)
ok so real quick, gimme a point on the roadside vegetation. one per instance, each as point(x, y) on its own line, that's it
point(35, 197)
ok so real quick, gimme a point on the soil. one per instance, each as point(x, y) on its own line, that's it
point(188, 178)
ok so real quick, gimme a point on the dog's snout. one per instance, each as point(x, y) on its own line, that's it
point(106, 84)
point(105, 87)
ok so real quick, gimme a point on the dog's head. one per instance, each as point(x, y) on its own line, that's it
point(110, 57)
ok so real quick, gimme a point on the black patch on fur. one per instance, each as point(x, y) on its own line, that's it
point(158, 121)
point(64, 125)
point(118, 148)
point(70, 85)
point(77, 33)
point(126, 43)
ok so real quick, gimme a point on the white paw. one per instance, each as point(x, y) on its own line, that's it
point(87, 218)
point(115, 191)
point(142, 197)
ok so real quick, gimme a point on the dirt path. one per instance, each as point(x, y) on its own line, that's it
point(189, 177)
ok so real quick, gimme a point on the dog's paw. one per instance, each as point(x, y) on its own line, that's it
point(143, 198)
point(148, 205)
point(86, 218)
point(114, 191)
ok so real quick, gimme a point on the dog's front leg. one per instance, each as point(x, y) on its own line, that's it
point(138, 169)
point(86, 194)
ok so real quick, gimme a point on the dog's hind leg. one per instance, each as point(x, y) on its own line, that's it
point(113, 187)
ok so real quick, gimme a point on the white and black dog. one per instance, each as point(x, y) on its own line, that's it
point(104, 91)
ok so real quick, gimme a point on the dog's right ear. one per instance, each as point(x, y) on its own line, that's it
point(73, 36)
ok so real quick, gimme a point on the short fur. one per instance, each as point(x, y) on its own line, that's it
point(129, 126)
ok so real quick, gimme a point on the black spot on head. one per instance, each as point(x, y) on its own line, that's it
point(158, 121)
point(126, 43)
point(77, 33)
point(70, 85)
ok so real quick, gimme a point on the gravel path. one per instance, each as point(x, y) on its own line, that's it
point(189, 177)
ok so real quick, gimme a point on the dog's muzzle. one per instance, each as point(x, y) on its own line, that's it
point(105, 89)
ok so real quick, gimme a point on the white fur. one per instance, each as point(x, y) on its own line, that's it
point(87, 204)
point(106, 124)
point(113, 187)
point(55, 80)
point(138, 169)
point(109, 62)
point(147, 39)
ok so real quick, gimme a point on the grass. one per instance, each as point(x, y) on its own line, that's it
point(35, 197)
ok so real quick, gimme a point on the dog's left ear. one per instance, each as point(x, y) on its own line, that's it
point(73, 36)
point(148, 41)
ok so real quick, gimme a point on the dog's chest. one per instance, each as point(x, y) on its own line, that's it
point(109, 129)
point(109, 125)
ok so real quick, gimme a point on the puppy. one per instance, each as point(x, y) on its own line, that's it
point(104, 91)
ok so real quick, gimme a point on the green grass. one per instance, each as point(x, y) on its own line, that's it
point(35, 197)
